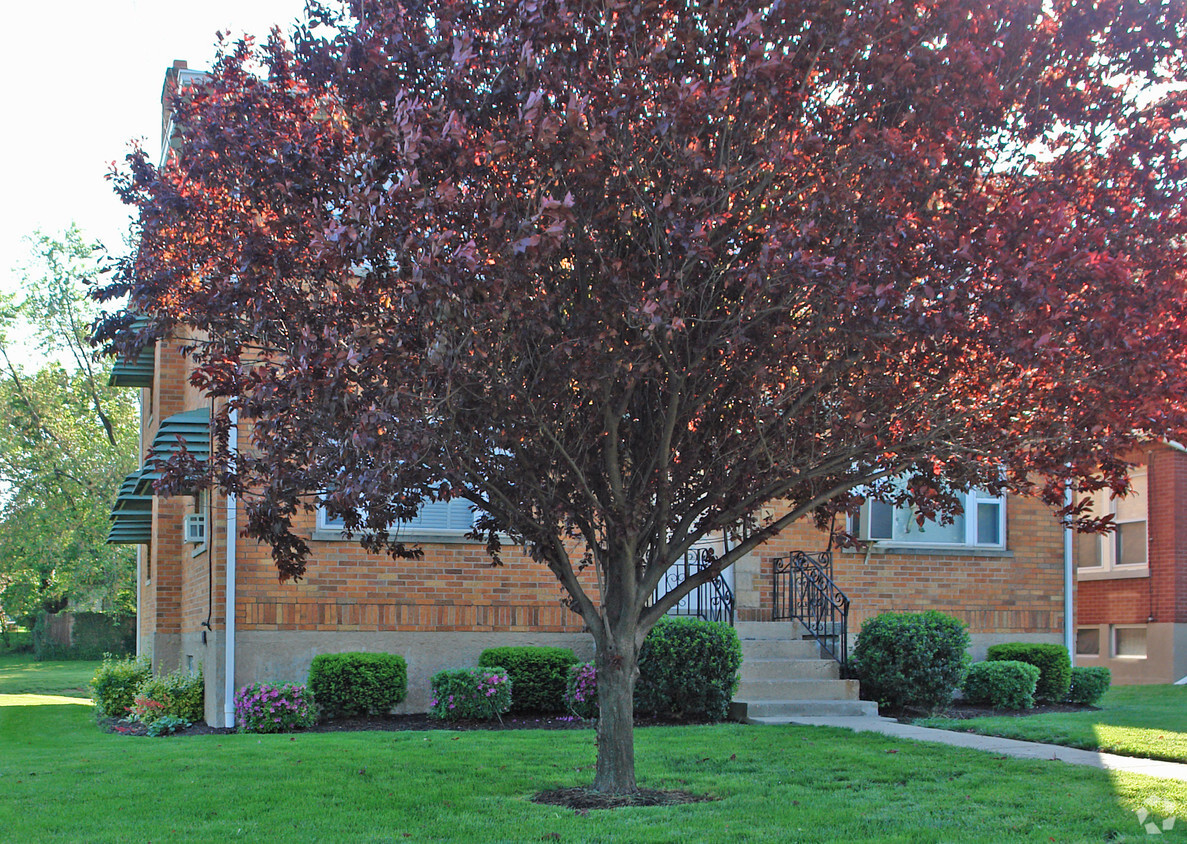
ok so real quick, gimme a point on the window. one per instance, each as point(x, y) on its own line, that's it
point(450, 518)
point(1129, 641)
point(1124, 548)
point(983, 524)
point(1088, 641)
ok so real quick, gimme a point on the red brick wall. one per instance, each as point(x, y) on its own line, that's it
point(1016, 592)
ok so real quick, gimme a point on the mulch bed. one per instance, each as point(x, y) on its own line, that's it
point(397, 723)
point(581, 800)
point(964, 711)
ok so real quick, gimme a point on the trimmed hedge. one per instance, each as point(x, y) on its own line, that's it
point(1055, 667)
point(912, 660)
point(688, 668)
point(471, 693)
point(179, 695)
point(1002, 684)
point(1089, 684)
point(356, 683)
point(538, 675)
point(114, 685)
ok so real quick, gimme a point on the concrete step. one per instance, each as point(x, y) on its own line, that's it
point(816, 709)
point(790, 669)
point(782, 711)
point(754, 649)
point(768, 690)
point(769, 629)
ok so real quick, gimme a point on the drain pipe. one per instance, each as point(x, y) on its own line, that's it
point(229, 603)
point(1069, 609)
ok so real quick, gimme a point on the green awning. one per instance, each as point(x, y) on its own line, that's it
point(138, 372)
point(193, 427)
point(130, 528)
point(128, 500)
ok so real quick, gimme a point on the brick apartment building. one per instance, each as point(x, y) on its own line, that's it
point(208, 596)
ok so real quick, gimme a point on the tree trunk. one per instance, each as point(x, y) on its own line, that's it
point(617, 669)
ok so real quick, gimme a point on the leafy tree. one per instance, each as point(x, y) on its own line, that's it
point(622, 273)
point(66, 443)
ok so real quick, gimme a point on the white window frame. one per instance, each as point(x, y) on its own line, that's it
point(1093, 654)
point(1108, 544)
point(1117, 628)
point(970, 502)
point(408, 531)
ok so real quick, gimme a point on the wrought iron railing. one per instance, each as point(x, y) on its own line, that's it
point(712, 600)
point(805, 592)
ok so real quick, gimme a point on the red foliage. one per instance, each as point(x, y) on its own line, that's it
point(620, 273)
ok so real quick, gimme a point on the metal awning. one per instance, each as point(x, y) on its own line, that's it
point(133, 527)
point(128, 500)
point(192, 427)
point(138, 372)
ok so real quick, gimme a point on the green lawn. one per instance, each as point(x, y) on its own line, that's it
point(773, 784)
point(20, 675)
point(1149, 721)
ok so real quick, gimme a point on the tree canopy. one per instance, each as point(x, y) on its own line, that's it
point(66, 443)
point(621, 273)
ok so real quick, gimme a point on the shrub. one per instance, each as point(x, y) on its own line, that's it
point(273, 708)
point(349, 684)
point(1088, 685)
point(911, 660)
point(538, 675)
point(581, 690)
point(1004, 684)
point(114, 685)
point(688, 668)
point(179, 694)
point(470, 693)
point(1055, 668)
point(166, 725)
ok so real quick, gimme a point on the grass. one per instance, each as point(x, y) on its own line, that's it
point(773, 784)
point(1148, 721)
point(19, 674)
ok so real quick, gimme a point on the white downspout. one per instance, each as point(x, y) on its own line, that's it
point(229, 603)
point(1069, 609)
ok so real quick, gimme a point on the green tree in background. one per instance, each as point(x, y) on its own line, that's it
point(66, 441)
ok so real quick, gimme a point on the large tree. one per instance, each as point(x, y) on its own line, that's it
point(621, 273)
point(66, 441)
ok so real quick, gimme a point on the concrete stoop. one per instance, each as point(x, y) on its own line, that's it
point(785, 677)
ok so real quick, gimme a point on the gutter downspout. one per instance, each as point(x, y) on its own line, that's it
point(1069, 609)
point(229, 603)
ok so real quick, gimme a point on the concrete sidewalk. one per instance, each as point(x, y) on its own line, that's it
point(1004, 746)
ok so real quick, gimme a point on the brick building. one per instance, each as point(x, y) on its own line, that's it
point(1131, 601)
point(999, 569)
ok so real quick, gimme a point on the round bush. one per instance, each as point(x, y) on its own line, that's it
point(471, 694)
point(348, 684)
point(913, 660)
point(1055, 667)
point(1088, 684)
point(538, 675)
point(179, 695)
point(114, 685)
point(1004, 684)
point(273, 708)
point(688, 668)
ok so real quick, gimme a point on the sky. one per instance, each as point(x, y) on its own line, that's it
point(81, 80)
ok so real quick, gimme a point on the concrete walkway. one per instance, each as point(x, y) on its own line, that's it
point(1004, 746)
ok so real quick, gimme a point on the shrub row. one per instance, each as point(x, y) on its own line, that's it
point(126, 688)
point(1053, 662)
point(917, 660)
point(356, 683)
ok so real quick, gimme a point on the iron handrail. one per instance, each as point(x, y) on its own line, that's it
point(712, 600)
point(810, 596)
